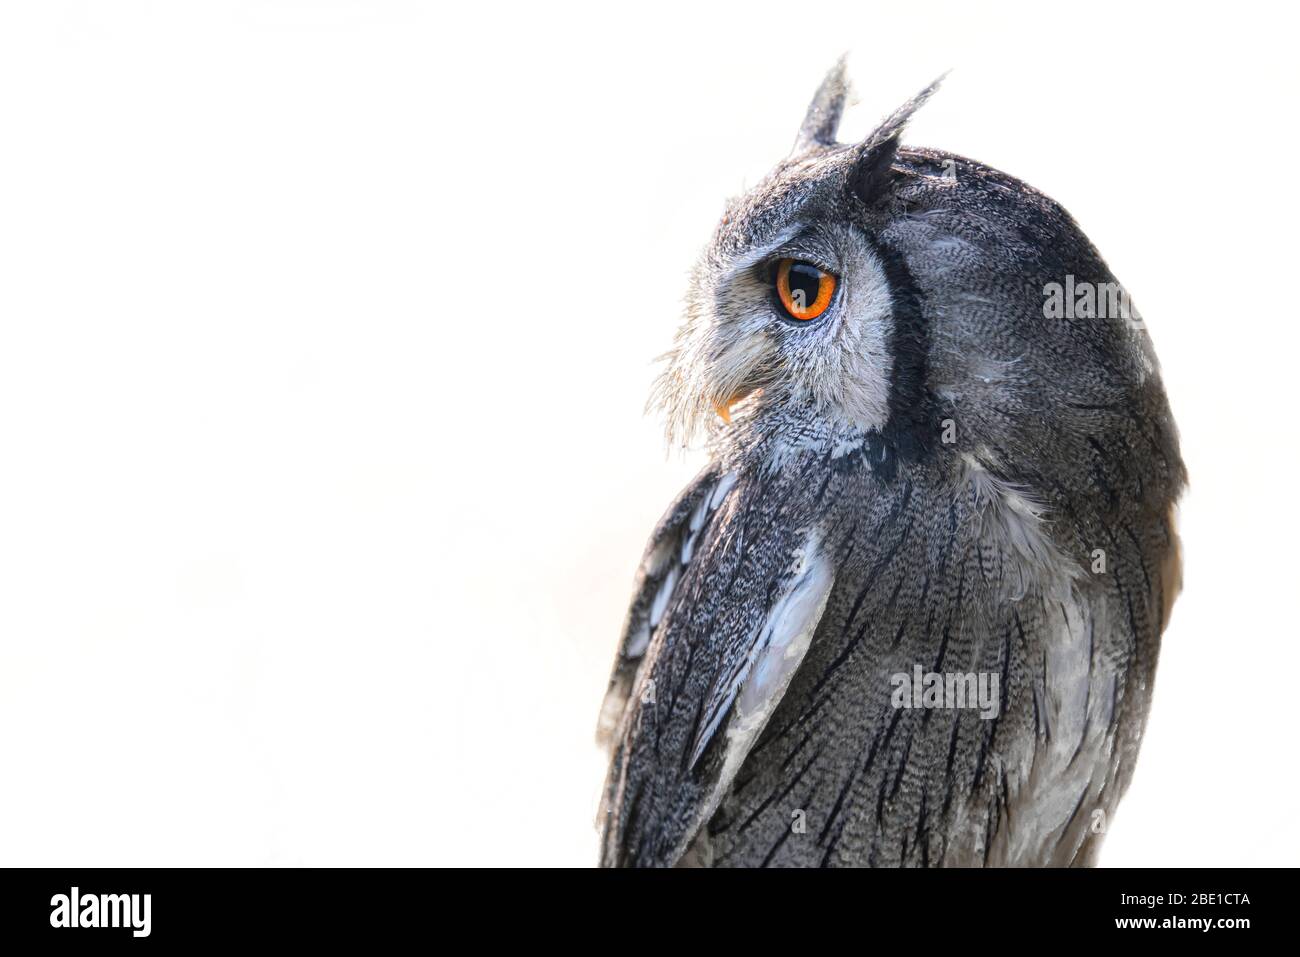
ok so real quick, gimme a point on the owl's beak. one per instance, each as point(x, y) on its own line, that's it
point(724, 407)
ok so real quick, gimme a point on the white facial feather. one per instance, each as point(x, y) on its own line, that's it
point(736, 341)
point(858, 380)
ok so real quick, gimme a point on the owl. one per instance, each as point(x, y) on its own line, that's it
point(909, 613)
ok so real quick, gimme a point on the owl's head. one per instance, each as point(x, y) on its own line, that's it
point(885, 291)
point(791, 305)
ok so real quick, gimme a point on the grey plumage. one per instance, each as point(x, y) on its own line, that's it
point(932, 472)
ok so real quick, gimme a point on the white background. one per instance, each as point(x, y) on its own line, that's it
point(327, 331)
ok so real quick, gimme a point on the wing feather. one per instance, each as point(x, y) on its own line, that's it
point(669, 550)
point(742, 616)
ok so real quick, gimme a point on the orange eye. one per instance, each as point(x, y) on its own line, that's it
point(804, 289)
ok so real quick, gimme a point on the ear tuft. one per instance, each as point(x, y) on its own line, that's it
point(822, 120)
point(877, 152)
point(871, 172)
